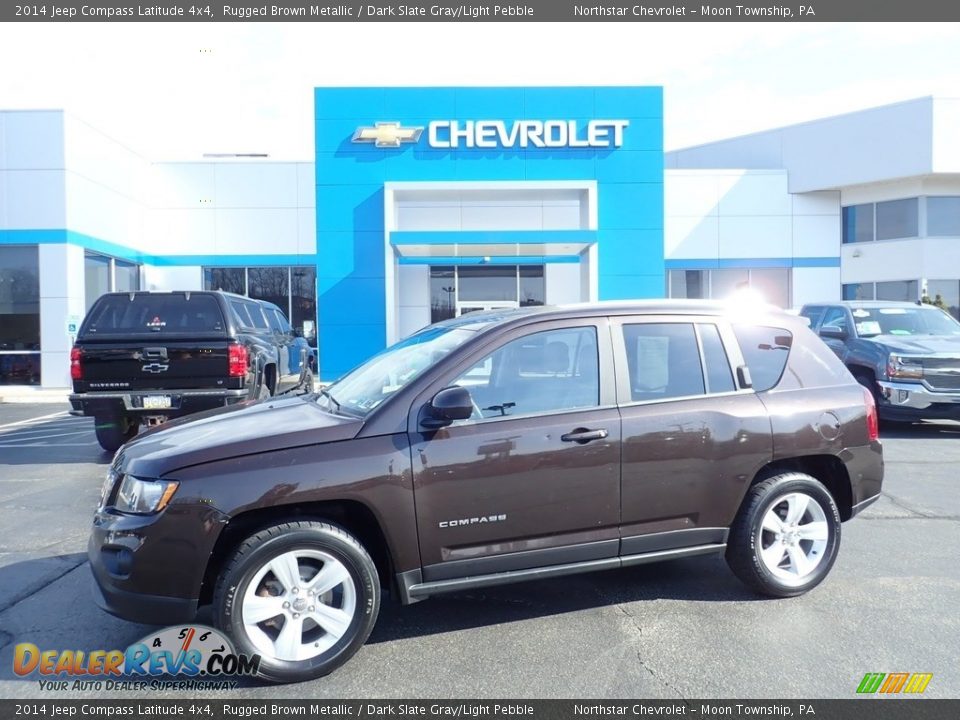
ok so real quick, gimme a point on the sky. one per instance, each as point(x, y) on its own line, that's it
point(174, 91)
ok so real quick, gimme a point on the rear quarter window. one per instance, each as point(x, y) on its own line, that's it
point(175, 314)
point(766, 350)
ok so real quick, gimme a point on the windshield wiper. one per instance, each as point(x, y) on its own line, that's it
point(333, 400)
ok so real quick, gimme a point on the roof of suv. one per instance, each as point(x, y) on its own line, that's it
point(613, 307)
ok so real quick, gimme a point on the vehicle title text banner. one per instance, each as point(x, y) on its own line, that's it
point(505, 11)
point(139, 705)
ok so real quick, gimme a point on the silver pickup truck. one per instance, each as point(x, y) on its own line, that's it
point(908, 355)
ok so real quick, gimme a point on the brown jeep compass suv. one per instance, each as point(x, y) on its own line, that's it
point(488, 449)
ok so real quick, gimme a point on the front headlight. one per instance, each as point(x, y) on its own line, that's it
point(143, 497)
point(902, 367)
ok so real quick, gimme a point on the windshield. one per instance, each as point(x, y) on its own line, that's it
point(903, 321)
point(362, 390)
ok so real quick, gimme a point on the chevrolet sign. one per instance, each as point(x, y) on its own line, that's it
point(492, 134)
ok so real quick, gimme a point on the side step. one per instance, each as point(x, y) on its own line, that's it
point(412, 590)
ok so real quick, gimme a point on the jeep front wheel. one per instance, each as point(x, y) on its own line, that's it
point(786, 536)
point(302, 595)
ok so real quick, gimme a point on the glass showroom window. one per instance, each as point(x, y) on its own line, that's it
point(103, 274)
point(689, 284)
point(949, 293)
point(899, 290)
point(772, 283)
point(858, 291)
point(943, 216)
point(450, 285)
point(858, 223)
point(897, 219)
point(291, 288)
point(19, 316)
point(443, 293)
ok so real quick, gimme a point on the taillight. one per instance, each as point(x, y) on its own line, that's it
point(873, 423)
point(237, 361)
point(76, 365)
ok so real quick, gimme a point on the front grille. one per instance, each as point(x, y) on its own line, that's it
point(941, 373)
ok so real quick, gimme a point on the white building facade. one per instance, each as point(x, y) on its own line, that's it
point(865, 205)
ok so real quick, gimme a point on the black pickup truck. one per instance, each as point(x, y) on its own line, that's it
point(146, 357)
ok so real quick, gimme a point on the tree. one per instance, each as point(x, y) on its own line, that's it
point(936, 301)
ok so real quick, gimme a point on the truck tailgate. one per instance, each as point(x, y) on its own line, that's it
point(155, 364)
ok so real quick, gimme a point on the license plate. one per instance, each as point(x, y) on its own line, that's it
point(156, 402)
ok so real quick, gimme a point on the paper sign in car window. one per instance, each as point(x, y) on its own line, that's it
point(861, 313)
point(869, 327)
point(652, 362)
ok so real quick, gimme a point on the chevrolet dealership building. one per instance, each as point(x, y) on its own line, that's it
point(425, 203)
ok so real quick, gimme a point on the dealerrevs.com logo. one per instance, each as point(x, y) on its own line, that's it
point(199, 653)
point(894, 683)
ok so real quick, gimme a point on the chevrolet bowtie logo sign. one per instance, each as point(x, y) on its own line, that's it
point(387, 134)
point(155, 368)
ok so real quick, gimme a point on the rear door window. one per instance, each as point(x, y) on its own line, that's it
point(273, 319)
point(766, 350)
point(256, 316)
point(155, 314)
point(663, 360)
point(282, 322)
point(239, 309)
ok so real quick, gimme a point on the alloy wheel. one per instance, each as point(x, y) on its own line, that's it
point(298, 605)
point(793, 537)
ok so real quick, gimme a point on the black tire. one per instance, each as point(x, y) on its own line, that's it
point(870, 383)
point(112, 432)
point(249, 560)
point(748, 538)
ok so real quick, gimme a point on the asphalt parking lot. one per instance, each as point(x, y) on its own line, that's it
point(683, 629)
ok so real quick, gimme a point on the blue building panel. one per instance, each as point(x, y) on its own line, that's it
point(350, 177)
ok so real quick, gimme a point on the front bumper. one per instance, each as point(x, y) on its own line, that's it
point(150, 568)
point(141, 608)
point(914, 401)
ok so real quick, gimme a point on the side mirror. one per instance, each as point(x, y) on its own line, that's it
point(452, 403)
point(833, 331)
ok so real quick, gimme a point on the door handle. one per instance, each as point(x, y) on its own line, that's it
point(584, 435)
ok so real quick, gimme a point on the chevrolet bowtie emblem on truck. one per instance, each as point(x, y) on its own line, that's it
point(387, 134)
point(155, 368)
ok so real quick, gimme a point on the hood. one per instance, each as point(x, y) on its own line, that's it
point(919, 344)
point(243, 429)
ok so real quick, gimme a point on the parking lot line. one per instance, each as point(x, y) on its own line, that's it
point(28, 421)
point(42, 430)
point(43, 445)
point(19, 441)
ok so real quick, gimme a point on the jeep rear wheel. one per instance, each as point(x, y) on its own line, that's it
point(786, 536)
point(112, 432)
point(302, 595)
